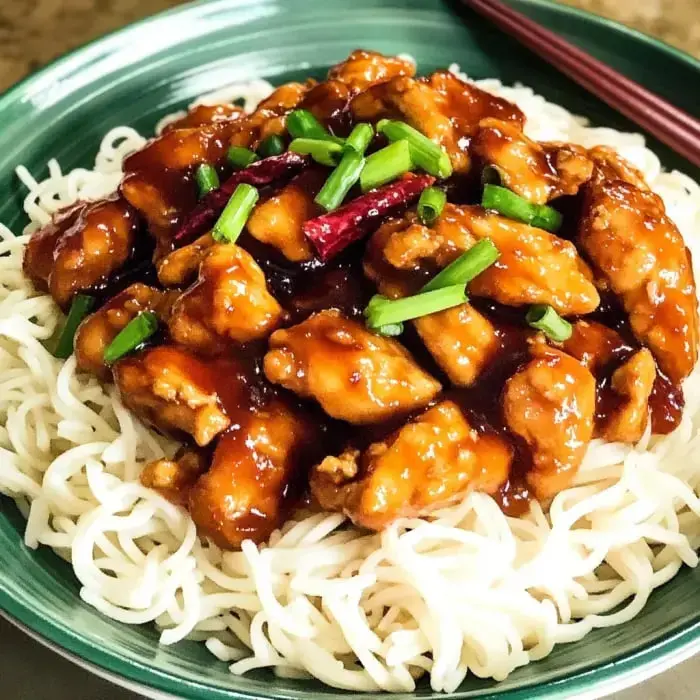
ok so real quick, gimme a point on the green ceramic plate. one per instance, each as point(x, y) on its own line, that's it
point(141, 73)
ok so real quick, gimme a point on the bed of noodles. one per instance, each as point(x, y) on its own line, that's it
point(469, 592)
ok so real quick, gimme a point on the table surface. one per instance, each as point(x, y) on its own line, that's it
point(33, 32)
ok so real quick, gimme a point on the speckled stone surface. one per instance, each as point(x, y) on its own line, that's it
point(32, 32)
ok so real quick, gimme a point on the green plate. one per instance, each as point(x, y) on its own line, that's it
point(141, 73)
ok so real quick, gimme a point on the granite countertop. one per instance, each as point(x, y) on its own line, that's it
point(32, 32)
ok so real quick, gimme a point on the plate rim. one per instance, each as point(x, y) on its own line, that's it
point(608, 677)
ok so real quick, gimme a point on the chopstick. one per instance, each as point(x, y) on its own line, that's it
point(667, 123)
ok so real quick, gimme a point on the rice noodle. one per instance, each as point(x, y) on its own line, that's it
point(472, 591)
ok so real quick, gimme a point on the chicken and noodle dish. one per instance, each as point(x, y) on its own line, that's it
point(361, 379)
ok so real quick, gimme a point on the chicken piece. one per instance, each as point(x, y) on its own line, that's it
point(444, 108)
point(461, 340)
point(278, 220)
point(181, 267)
point(595, 346)
point(354, 374)
point(551, 403)
point(257, 472)
point(534, 267)
point(155, 179)
point(537, 172)
point(640, 252)
point(174, 390)
point(269, 117)
point(429, 463)
point(228, 303)
point(81, 247)
point(173, 478)
point(98, 330)
point(610, 165)
point(632, 384)
point(199, 115)
point(362, 69)
point(625, 379)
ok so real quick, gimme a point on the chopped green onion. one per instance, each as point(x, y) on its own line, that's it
point(131, 336)
point(271, 145)
point(426, 154)
point(79, 309)
point(391, 330)
point(466, 267)
point(516, 207)
point(301, 124)
point(240, 157)
point(207, 179)
point(383, 312)
point(341, 180)
point(544, 318)
point(430, 205)
point(323, 152)
point(235, 214)
point(360, 138)
point(491, 175)
point(386, 165)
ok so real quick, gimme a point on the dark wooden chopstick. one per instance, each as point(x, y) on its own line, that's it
point(669, 124)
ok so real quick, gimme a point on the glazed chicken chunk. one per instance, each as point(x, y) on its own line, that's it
point(254, 476)
point(534, 267)
point(98, 330)
point(174, 390)
point(202, 114)
point(354, 374)
point(447, 458)
point(537, 172)
point(625, 379)
point(610, 165)
point(550, 403)
point(362, 69)
point(269, 117)
point(81, 247)
point(641, 254)
point(154, 177)
point(633, 383)
point(228, 303)
point(278, 220)
point(173, 478)
point(443, 107)
point(181, 267)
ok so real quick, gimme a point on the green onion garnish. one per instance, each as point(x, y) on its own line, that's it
point(516, 207)
point(383, 312)
point(430, 205)
point(426, 154)
point(79, 309)
point(235, 214)
point(324, 152)
point(271, 145)
point(544, 318)
point(131, 336)
point(341, 180)
point(207, 179)
point(391, 330)
point(491, 175)
point(386, 165)
point(240, 157)
point(466, 267)
point(301, 124)
point(360, 138)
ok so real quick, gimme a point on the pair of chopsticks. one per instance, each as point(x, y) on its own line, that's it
point(667, 123)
